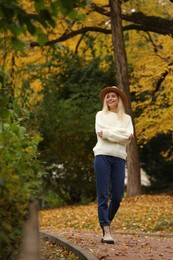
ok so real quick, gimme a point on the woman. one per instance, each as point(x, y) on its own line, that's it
point(114, 131)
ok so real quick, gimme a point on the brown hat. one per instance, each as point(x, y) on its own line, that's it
point(123, 96)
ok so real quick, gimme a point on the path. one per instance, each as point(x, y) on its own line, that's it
point(126, 247)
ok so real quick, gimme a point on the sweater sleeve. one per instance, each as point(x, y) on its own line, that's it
point(116, 134)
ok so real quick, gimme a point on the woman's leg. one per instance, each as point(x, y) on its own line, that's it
point(102, 170)
point(117, 186)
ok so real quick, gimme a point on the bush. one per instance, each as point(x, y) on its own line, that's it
point(65, 117)
point(157, 161)
point(19, 180)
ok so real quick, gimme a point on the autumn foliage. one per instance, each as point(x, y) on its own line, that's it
point(42, 78)
point(145, 213)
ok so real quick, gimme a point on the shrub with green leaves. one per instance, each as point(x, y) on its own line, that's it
point(19, 180)
point(65, 117)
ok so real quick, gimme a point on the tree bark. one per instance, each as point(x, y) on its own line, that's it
point(122, 79)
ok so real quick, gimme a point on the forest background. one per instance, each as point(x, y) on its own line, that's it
point(55, 58)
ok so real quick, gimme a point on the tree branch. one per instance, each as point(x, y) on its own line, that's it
point(100, 9)
point(72, 34)
point(140, 22)
point(150, 23)
point(162, 78)
point(80, 40)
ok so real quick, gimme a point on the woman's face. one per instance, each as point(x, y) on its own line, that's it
point(112, 101)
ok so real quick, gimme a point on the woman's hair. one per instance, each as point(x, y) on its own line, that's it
point(120, 107)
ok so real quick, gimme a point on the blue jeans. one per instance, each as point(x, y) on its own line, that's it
point(110, 174)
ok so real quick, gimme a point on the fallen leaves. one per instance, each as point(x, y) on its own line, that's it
point(52, 251)
point(146, 213)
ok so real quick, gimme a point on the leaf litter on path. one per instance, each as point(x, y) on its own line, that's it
point(146, 213)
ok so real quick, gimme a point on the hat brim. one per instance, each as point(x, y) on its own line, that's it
point(106, 90)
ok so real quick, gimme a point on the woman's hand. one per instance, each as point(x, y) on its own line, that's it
point(100, 134)
point(131, 137)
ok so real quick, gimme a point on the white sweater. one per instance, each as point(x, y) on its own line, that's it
point(116, 134)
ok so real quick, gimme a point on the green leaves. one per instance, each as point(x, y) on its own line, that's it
point(6, 114)
point(16, 20)
point(42, 38)
point(70, 8)
point(70, 101)
point(19, 170)
point(39, 5)
point(17, 44)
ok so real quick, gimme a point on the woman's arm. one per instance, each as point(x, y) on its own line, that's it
point(119, 135)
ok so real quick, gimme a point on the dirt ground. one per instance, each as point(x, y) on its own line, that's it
point(126, 247)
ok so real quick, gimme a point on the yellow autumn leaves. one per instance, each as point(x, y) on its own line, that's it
point(146, 213)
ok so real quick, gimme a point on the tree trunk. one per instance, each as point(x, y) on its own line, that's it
point(122, 79)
